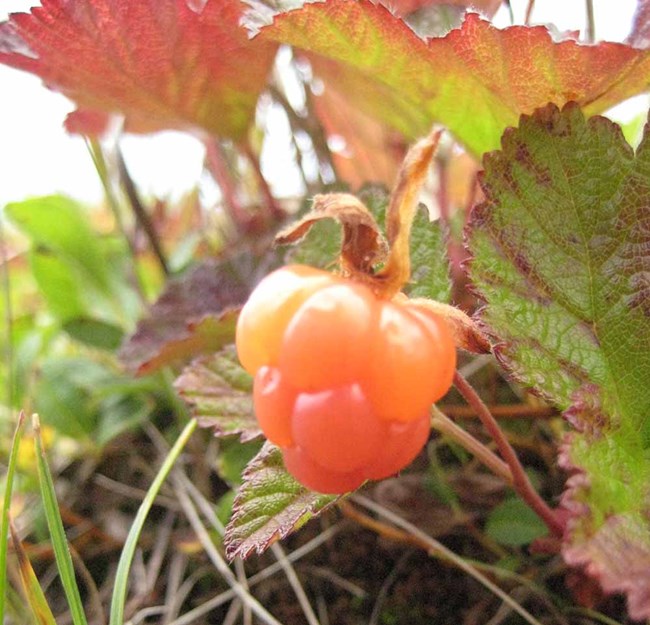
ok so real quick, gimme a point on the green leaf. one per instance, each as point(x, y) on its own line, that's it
point(6, 504)
point(85, 400)
point(513, 523)
point(476, 80)
point(269, 505)
point(219, 392)
point(429, 263)
point(561, 255)
point(59, 286)
point(65, 395)
point(320, 248)
point(119, 413)
point(60, 224)
point(233, 458)
point(57, 533)
point(94, 332)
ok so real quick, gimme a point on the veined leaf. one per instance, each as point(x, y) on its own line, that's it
point(561, 256)
point(161, 63)
point(219, 391)
point(269, 506)
point(476, 80)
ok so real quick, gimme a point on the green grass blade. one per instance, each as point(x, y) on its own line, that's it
point(57, 533)
point(33, 591)
point(124, 566)
point(6, 504)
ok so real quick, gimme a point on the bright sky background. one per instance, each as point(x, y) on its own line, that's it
point(37, 157)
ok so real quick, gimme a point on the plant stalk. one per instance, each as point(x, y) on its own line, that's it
point(444, 424)
point(591, 22)
point(140, 212)
point(273, 208)
point(520, 481)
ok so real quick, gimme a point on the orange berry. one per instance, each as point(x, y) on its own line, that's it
point(269, 309)
point(273, 401)
point(318, 478)
point(337, 428)
point(343, 380)
point(326, 343)
point(402, 378)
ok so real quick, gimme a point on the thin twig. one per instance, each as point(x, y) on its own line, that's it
point(520, 481)
point(243, 580)
point(437, 549)
point(529, 12)
point(215, 160)
point(141, 215)
point(200, 611)
point(274, 209)
point(501, 411)
point(93, 598)
point(97, 155)
point(215, 557)
point(296, 586)
point(385, 587)
point(208, 511)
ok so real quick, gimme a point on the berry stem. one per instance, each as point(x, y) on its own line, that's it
point(444, 424)
point(520, 481)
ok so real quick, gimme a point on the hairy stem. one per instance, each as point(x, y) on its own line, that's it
point(273, 208)
point(520, 481)
point(444, 424)
point(217, 165)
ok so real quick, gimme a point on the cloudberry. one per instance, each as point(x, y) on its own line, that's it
point(344, 380)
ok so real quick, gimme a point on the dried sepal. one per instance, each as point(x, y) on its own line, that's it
point(363, 245)
point(466, 332)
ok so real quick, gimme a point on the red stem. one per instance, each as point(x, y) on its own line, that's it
point(274, 209)
point(520, 480)
point(217, 166)
point(529, 12)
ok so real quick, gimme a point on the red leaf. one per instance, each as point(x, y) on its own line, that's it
point(404, 7)
point(373, 152)
point(160, 63)
point(476, 80)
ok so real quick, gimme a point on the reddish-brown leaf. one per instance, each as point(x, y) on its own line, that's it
point(640, 35)
point(476, 80)
point(161, 63)
point(196, 314)
point(219, 391)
